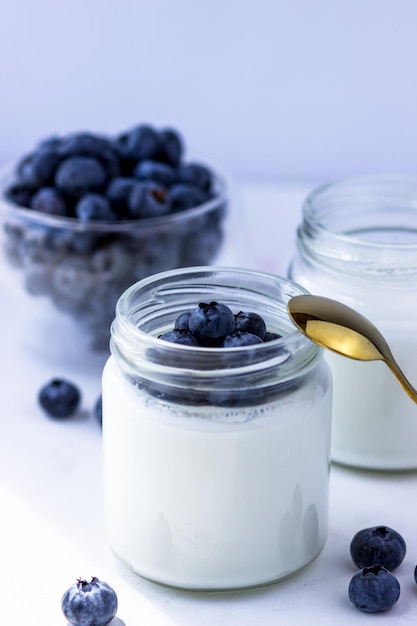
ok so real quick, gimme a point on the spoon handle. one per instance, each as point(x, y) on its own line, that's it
point(404, 382)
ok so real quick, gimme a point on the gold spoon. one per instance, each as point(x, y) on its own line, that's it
point(335, 326)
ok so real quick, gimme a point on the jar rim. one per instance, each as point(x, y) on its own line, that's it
point(372, 195)
point(132, 344)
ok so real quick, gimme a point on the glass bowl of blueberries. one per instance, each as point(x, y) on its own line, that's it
point(85, 215)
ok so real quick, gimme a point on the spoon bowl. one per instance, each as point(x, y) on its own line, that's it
point(339, 328)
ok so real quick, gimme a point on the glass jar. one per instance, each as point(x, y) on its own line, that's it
point(357, 243)
point(216, 460)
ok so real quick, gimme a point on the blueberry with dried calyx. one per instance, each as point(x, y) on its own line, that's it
point(211, 322)
point(374, 589)
point(250, 322)
point(91, 603)
point(148, 199)
point(378, 545)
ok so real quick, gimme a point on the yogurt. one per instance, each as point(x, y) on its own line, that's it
point(216, 460)
point(373, 412)
point(215, 499)
point(357, 243)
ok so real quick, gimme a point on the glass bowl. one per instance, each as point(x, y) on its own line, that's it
point(83, 267)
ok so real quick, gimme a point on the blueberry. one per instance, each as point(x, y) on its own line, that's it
point(157, 172)
point(118, 192)
point(271, 336)
point(59, 398)
point(378, 545)
point(250, 323)
point(196, 175)
point(182, 321)
point(183, 196)
point(148, 199)
point(239, 339)
point(85, 144)
point(88, 144)
point(374, 589)
point(79, 175)
point(50, 201)
point(141, 142)
point(38, 169)
point(91, 603)
point(210, 323)
point(183, 337)
point(19, 194)
point(93, 206)
point(171, 147)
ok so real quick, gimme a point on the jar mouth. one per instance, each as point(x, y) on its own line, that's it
point(151, 306)
point(368, 221)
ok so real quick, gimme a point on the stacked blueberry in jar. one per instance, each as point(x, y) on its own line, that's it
point(89, 215)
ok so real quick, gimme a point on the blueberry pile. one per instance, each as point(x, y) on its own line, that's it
point(129, 205)
point(91, 603)
point(377, 551)
point(213, 324)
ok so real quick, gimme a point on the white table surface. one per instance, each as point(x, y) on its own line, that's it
point(51, 484)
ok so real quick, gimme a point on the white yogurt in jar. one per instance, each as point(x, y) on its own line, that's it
point(376, 424)
point(357, 243)
point(215, 498)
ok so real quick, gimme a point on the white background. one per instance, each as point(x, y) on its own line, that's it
point(268, 89)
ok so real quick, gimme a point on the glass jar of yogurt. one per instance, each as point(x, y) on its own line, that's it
point(357, 243)
point(216, 460)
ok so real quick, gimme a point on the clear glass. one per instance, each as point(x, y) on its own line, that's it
point(216, 460)
point(82, 268)
point(357, 243)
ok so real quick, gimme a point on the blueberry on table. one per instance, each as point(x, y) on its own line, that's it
point(59, 398)
point(249, 322)
point(210, 323)
point(378, 545)
point(91, 603)
point(374, 589)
